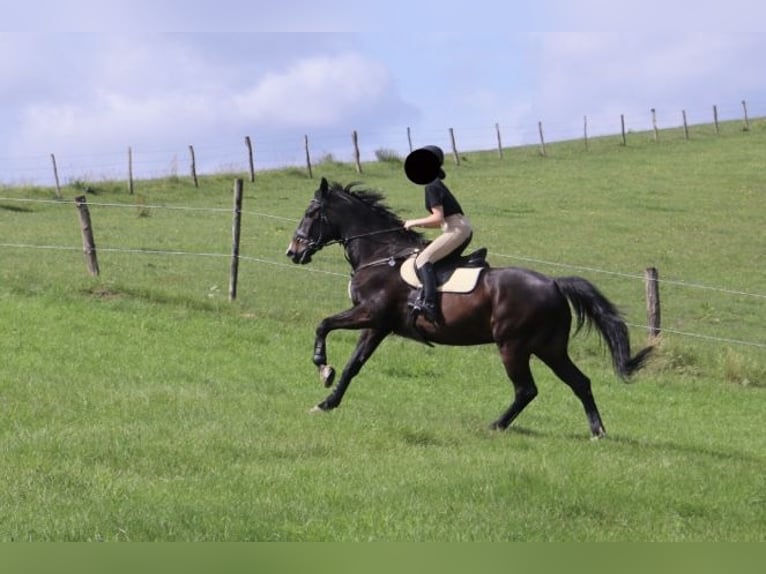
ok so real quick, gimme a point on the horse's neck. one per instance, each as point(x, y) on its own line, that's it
point(362, 251)
point(377, 247)
point(370, 238)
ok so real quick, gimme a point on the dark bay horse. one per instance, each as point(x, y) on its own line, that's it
point(523, 312)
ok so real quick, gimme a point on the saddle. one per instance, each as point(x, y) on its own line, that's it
point(453, 274)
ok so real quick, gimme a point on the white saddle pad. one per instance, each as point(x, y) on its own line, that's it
point(463, 280)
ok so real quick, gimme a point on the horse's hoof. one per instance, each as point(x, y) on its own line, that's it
point(327, 375)
point(496, 426)
point(598, 435)
point(315, 410)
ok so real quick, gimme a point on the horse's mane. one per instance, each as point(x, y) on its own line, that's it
point(374, 200)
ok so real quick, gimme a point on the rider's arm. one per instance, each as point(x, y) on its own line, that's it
point(434, 220)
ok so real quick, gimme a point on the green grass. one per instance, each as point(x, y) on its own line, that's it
point(142, 405)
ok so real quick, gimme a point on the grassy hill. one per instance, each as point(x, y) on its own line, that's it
point(142, 405)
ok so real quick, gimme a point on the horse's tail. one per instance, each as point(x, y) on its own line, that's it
point(593, 308)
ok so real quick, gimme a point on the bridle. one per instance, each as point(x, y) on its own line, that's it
point(315, 245)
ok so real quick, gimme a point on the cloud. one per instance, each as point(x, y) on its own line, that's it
point(110, 117)
point(316, 92)
point(88, 95)
point(604, 75)
point(325, 91)
point(94, 94)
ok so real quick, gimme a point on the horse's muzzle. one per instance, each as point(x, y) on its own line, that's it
point(298, 252)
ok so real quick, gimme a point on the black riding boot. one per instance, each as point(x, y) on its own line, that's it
point(430, 306)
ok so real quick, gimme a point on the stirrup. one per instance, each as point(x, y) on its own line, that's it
point(419, 306)
point(431, 313)
point(415, 301)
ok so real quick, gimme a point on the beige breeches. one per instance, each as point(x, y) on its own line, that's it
point(456, 230)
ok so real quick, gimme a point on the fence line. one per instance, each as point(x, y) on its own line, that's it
point(630, 275)
point(118, 205)
point(674, 282)
point(112, 250)
point(275, 150)
point(345, 276)
point(174, 253)
point(144, 206)
point(706, 337)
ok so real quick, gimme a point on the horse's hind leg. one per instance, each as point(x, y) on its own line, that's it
point(516, 364)
point(568, 372)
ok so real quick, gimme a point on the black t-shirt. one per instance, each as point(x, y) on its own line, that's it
point(438, 194)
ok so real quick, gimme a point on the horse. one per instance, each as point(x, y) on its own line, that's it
point(523, 312)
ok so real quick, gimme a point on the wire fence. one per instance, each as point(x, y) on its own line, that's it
point(292, 150)
point(314, 270)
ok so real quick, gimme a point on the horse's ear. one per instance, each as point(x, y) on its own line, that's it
point(324, 187)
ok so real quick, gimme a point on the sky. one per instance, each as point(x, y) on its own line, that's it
point(85, 79)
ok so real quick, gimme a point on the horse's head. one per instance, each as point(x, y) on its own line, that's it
point(315, 229)
point(355, 218)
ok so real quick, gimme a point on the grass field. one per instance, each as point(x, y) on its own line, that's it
point(143, 406)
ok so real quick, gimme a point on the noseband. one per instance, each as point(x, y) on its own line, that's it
point(315, 245)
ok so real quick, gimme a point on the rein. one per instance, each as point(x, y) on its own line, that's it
point(390, 260)
point(345, 240)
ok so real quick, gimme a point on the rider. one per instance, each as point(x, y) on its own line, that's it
point(424, 167)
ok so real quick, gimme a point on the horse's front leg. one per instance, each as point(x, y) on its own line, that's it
point(326, 372)
point(355, 318)
point(365, 347)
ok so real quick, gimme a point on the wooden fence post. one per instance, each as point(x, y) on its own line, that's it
point(308, 157)
point(88, 243)
point(193, 166)
point(409, 138)
point(56, 176)
point(250, 160)
point(654, 125)
point(236, 226)
point(130, 170)
point(499, 141)
point(542, 139)
point(622, 123)
point(652, 287)
point(355, 140)
point(454, 146)
point(715, 120)
point(686, 125)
